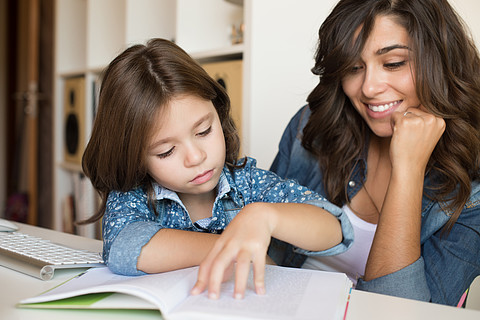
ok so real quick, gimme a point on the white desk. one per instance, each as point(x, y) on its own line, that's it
point(15, 286)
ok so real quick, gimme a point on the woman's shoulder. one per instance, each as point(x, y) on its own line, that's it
point(474, 199)
point(300, 119)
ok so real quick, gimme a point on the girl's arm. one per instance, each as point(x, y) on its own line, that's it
point(136, 243)
point(397, 239)
point(247, 237)
point(172, 249)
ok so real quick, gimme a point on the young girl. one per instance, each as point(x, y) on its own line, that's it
point(163, 157)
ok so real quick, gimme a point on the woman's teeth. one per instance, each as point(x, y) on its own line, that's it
point(382, 107)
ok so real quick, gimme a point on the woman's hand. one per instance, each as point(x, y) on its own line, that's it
point(397, 238)
point(415, 135)
point(245, 240)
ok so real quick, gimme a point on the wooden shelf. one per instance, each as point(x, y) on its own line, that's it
point(226, 53)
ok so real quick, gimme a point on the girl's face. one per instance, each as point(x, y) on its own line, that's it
point(382, 81)
point(187, 151)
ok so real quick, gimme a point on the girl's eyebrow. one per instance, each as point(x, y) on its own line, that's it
point(390, 48)
point(195, 125)
point(202, 119)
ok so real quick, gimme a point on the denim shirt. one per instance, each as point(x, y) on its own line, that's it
point(129, 223)
point(447, 264)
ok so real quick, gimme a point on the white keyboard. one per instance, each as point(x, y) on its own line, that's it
point(40, 257)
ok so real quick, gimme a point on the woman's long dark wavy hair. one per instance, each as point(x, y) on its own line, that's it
point(447, 79)
point(136, 86)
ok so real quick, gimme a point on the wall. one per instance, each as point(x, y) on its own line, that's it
point(468, 10)
point(293, 28)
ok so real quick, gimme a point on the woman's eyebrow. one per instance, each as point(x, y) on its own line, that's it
point(390, 48)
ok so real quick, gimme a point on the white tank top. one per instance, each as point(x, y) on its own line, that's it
point(353, 261)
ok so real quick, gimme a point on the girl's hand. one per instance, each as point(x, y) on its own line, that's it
point(415, 135)
point(245, 240)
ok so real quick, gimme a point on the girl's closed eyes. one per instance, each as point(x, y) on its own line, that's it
point(200, 134)
point(166, 154)
point(206, 132)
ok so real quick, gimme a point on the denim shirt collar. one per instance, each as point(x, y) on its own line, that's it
point(224, 190)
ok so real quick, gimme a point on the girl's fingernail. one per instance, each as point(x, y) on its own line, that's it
point(238, 296)
point(212, 295)
point(261, 290)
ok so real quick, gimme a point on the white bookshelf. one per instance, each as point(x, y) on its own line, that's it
point(277, 53)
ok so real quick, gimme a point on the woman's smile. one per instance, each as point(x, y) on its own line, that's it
point(383, 107)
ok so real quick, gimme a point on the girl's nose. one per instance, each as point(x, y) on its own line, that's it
point(195, 155)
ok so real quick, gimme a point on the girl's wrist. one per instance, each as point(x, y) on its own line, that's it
point(264, 213)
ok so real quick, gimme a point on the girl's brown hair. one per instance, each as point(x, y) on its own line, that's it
point(447, 79)
point(136, 85)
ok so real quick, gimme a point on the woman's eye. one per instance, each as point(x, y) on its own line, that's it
point(166, 154)
point(356, 69)
point(395, 65)
point(206, 132)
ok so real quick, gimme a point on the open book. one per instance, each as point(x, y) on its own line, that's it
point(291, 294)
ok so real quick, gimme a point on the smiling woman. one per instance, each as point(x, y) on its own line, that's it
point(392, 134)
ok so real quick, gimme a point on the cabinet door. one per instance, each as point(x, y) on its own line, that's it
point(26, 87)
point(229, 75)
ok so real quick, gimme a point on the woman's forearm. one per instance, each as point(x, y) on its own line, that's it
point(397, 239)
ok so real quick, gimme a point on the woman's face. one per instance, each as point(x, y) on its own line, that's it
point(382, 81)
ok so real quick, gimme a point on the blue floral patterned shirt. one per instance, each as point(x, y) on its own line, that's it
point(129, 223)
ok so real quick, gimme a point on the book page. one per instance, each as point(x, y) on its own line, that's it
point(291, 294)
point(164, 290)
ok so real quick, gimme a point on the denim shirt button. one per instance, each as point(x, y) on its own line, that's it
point(351, 183)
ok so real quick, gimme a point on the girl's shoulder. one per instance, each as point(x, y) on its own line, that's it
point(243, 164)
point(135, 194)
